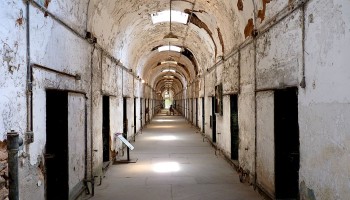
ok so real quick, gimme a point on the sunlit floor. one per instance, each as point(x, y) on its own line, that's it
point(173, 163)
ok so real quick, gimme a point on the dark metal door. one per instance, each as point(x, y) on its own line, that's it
point(234, 127)
point(125, 117)
point(56, 149)
point(213, 101)
point(134, 115)
point(203, 115)
point(286, 144)
point(105, 129)
point(196, 112)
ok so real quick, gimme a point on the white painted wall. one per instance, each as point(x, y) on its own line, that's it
point(324, 105)
point(12, 68)
point(246, 111)
point(265, 141)
point(76, 141)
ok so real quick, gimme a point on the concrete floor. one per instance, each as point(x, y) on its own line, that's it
point(173, 163)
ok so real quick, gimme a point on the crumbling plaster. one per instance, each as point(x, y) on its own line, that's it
point(12, 68)
point(265, 160)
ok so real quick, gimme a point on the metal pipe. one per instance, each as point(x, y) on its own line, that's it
point(302, 82)
point(75, 76)
point(92, 177)
point(46, 11)
point(29, 92)
point(256, 120)
point(12, 150)
point(85, 138)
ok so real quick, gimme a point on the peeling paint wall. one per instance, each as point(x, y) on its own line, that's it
point(279, 54)
point(265, 159)
point(12, 68)
point(323, 104)
point(76, 141)
point(324, 111)
point(246, 111)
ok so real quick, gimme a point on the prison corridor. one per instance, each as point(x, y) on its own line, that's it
point(173, 162)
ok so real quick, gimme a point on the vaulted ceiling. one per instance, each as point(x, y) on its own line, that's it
point(125, 29)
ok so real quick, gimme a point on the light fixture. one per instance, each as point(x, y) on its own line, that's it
point(171, 36)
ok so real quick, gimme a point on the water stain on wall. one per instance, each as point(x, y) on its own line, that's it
point(199, 23)
point(248, 30)
point(240, 5)
point(261, 13)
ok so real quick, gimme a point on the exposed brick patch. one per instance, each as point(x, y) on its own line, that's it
point(3, 170)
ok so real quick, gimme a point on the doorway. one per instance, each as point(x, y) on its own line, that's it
point(141, 125)
point(105, 128)
point(56, 149)
point(125, 118)
point(196, 112)
point(135, 116)
point(213, 105)
point(286, 143)
point(234, 127)
point(146, 111)
point(203, 116)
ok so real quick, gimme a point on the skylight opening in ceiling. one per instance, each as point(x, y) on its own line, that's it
point(168, 62)
point(169, 70)
point(169, 48)
point(164, 16)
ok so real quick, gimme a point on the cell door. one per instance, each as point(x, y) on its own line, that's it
point(196, 112)
point(213, 105)
point(56, 149)
point(141, 125)
point(203, 115)
point(134, 115)
point(105, 129)
point(125, 117)
point(234, 127)
point(286, 144)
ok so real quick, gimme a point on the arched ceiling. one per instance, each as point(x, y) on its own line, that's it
point(125, 29)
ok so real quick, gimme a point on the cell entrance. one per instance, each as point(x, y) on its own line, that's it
point(213, 118)
point(286, 144)
point(105, 129)
point(56, 149)
point(203, 116)
point(234, 127)
point(134, 116)
point(125, 117)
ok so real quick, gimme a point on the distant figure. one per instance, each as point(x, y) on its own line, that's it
point(171, 109)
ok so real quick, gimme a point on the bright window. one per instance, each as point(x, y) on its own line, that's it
point(169, 48)
point(164, 16)
point(168, 70)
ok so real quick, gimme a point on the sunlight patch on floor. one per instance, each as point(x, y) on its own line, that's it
point(163, 138)
point(166, 167)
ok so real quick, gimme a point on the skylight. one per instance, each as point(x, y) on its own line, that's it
point(164, 16)
point(168, 70)
point(168, 62)
point(169, 48)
